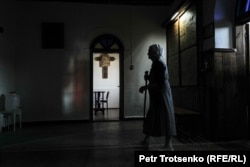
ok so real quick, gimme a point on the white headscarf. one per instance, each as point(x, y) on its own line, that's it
point(157, 49)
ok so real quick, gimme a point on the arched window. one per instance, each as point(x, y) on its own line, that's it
point(106, 43)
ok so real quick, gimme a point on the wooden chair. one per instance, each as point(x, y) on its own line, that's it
point(103, 101)
point(12, 110)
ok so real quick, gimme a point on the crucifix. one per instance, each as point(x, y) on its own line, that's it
point(104, 62)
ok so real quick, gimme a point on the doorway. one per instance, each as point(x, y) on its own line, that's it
point(106, 79)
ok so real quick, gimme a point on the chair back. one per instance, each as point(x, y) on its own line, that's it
point(107, 95)
point(2, 101)
point(12, 102)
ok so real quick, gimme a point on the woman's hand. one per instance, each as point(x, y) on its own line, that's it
point(142, 89)
point(146, 76)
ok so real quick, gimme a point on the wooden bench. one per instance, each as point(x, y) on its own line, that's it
point(191, 116)
point(189, 103)
point(179, 111)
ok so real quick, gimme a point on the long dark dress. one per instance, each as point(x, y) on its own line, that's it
point(160, 118)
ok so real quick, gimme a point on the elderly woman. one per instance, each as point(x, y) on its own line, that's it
point(160, 118)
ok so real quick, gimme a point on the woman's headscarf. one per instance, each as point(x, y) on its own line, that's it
point(157, 49)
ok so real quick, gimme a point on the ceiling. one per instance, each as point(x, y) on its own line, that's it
point(121, 2)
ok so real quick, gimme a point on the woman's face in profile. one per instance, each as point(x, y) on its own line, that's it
point(151, 54)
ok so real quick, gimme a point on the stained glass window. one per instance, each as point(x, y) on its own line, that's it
point(106, 43)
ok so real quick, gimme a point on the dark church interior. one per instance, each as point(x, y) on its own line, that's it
point(70, 73)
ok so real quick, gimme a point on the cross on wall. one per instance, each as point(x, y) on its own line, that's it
point(104, 62)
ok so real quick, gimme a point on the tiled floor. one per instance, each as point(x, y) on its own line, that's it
point(96, 144)
point(110, 115)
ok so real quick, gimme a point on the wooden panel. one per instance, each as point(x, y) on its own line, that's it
point(173, 39)
point(189, 67)
point(223, 116)
point(173, 67)
point(188, 28)
point(191, 98)
point(243, 76)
